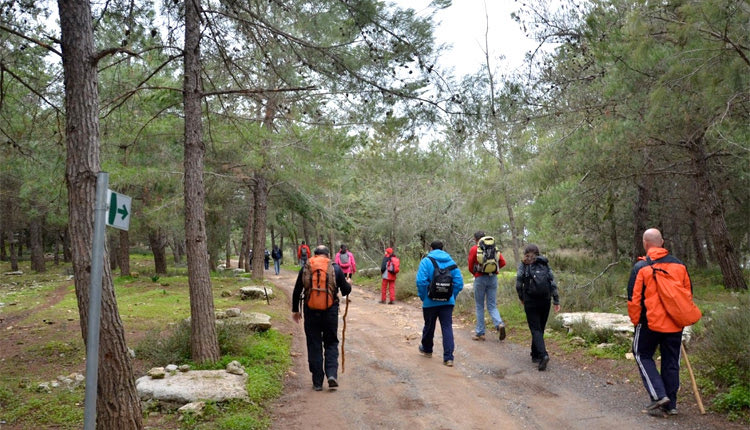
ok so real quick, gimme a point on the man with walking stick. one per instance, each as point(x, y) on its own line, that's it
point(320, 279)
point(660, 305)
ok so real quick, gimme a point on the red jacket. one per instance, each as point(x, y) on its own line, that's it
point(473, 262)
point(644, 304)
point(299, 251)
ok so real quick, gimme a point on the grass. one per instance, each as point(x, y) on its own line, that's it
point(148, 306)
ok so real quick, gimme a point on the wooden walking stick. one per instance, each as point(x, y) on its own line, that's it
point(692, 380)
point(343, 336)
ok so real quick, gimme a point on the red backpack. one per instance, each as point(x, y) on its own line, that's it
point(676, 299)
point(394, 265)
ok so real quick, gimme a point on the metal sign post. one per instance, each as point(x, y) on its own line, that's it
point(95, 302)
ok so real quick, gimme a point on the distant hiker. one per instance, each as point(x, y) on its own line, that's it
point(266, 258)
point(277, 255)
point(388, 270)
point(439, 281)
point(345, 260)
point(485, 260)
point(303, 253)
point(321, 281)
point(535, 286)
point(653, 325)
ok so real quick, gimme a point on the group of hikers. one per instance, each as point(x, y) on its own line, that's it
point(653, 306)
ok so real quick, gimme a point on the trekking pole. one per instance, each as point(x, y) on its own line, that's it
point(268, 301)
point(692, 380)
point(343, 336)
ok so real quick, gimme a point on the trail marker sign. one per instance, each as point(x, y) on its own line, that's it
point(118, 215)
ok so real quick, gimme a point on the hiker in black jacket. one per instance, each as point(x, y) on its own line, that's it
point(535, 286)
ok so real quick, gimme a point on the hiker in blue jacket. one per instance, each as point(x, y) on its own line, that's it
point(439, 308)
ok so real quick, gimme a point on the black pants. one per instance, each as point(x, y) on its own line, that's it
point(667, 382)
point(536, 315)
point(322, 343)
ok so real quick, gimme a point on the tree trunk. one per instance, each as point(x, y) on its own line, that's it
point(247, 233)
point(113, 255)
point(118, 405)
point(711, 205)
point(67, 246)
point(3, 252)
point(259, 226)
point(123, 254)
point(640, 216)
point(204, 344)
point(37, 245)
point(13, 248)
point(228, 247)
point(700, 255)
point(57, 249)
point(157, 241)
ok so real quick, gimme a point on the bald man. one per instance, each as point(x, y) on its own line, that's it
point(654, 327)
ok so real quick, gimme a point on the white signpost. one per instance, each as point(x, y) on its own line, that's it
point(118, 215)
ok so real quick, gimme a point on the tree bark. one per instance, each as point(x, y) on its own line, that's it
point(118, 405)
point(3, 252)
point(123, 254)
point(13, 251)
point(640, 216)
point(247, 234)
point(204, 344)
point(37, 245)
point(157, 241)
point(711, 204)
point(700, 255)
point(259, 226)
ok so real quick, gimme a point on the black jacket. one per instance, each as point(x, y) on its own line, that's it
point(522, 279)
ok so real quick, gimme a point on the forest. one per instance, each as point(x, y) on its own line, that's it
point(240, 125)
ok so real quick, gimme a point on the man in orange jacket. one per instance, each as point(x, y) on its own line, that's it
point(654, 327)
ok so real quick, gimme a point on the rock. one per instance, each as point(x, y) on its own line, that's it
point(131, 353)
point(220, 315)
point(184, 368)
point(193, 386)
point(604, 345)
point(598, 320)
point(249, 293)
point(233, 312)
point(253, 321)
point(14, 273)
point(193, 408)
point(577, 341)
point(171, 368)
point(157, 373)
point(466, 297)
point(44, 387)
point(629, 356)
point(235, 368)
point(226, 293)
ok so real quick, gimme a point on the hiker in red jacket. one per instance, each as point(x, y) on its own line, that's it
point(303, 253)
point(345, 260)
point(654, 327)
point(485, 288)
point(388, 270)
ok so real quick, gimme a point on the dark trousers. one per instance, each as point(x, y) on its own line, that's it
point(431, 316)
point(322, 343)
point(536, 316)
point(658, 385)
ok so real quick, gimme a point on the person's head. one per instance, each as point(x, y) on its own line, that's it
point(388, 251)
point(303, 242)
point(478, 235)
point(652, 239)
point(436, 244)
point(342, 248)
point(530, 253)
point(321, 250)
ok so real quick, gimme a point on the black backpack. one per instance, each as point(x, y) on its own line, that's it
point(538, 281)
point(441, 287)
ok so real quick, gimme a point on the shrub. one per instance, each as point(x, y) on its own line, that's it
point(724, 345)
point(735, 402)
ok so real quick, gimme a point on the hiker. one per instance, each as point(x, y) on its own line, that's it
point(266, 258)
point(654, 327)
point(484, 263)
point(535, 286)
point(303, 253)
point(277, 255)
point(439, 281)
point(320, 277)
point(388, 270)
point(345, 260)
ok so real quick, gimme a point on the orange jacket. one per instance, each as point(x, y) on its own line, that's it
point(644, 304)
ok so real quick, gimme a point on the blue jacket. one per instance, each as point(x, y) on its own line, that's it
point(426, 272)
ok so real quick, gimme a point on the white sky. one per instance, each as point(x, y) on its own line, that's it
point(463, 26)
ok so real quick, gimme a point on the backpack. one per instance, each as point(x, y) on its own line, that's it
point(344, 259)
point(676, 299)
point(486, 256)
point(539, 285)
point(394, 264)
point(303, 253)
point(441, 287)
point(319, 281)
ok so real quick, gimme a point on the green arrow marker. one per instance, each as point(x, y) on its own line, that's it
point(123, 211)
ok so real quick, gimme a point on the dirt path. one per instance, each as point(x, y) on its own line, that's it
point(387, 384)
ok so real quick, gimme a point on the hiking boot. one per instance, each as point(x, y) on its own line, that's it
point(391, 302)
point(536, 359)
point(543, 363)
point(332, 384)
point(448, 363)
point(318, 387)
point(672, 411)
point(477, 337)
point(501, 329)
point(656, 404)
point(423, 352)
point(382, 302)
